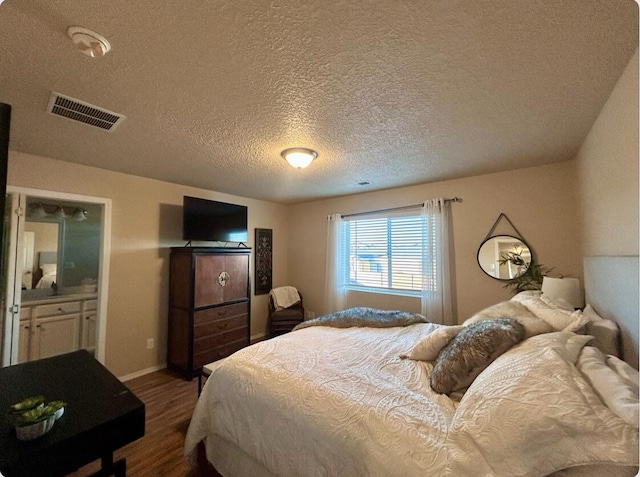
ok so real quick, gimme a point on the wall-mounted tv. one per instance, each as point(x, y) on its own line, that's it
point(209, 220)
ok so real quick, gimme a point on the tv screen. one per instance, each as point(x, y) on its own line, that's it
point(210, 220)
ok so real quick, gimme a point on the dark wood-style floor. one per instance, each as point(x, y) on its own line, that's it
point(169, 402)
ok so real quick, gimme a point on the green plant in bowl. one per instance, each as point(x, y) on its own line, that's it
point(34, 415)
point(56, 408)
point(27, 404)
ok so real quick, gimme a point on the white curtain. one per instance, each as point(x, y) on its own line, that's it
point(438, 301)
point(335, 295)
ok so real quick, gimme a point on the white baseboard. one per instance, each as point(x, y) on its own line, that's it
point(257, 337)
point(137, 374)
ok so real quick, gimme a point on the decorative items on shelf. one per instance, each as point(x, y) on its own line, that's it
point(34, 417)
point(89, 285)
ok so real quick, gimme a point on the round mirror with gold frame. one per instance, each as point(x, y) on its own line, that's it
point(504, 257)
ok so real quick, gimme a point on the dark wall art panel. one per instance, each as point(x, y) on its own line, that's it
point(264, 251)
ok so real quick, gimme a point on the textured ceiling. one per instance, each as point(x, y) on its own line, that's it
point(392, 92)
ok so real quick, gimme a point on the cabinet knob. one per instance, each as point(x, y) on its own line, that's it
point(61, 310)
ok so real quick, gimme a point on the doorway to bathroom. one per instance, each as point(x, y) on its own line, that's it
point(55, 277)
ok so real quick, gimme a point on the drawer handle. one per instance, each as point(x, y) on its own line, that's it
point(61, 310)
point(223, 326)
point(222, 352)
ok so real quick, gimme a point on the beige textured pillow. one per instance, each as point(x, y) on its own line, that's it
point(428, 347)
point(513, 309)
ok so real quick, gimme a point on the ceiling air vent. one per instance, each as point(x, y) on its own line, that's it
point(86, 113)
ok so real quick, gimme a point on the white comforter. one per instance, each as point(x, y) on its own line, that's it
point(329, 402)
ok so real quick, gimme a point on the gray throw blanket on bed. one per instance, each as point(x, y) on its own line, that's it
point(365, 317)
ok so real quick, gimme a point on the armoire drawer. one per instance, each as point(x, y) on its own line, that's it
point(212, 327)
point(202, 317)
point(211, 355)
point(220, 339)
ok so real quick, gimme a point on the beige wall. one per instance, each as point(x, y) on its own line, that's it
point(540, 202)
point(607, 172)
point(146, 221)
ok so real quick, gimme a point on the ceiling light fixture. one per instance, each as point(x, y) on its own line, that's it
point(89, 42)
point(299, 157)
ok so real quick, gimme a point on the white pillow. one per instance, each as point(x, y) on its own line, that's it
point(512, 309)
point(527, 294)
point(606, 333)
point(623, 368)
point(535, 404)
point(48, 269)
point(428, 347)
point(567, 345)
point(617, 393)
point(579, 323)
point(559, 319)
point(558, 303)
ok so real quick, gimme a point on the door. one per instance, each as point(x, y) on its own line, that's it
point(220, 278)
point(56, 335)
point(12, 281)
point(24, 341)
point(5, 346)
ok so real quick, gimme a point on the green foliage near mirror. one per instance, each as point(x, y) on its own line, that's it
point(531, 279)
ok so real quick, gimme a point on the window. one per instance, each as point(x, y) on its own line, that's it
point(385, 254)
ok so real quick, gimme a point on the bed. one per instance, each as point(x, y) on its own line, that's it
point(48, 265)
point(356, 401)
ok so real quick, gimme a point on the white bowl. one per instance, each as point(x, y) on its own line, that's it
point(33, 431)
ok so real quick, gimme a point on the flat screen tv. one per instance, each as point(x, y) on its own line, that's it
point(209, 220)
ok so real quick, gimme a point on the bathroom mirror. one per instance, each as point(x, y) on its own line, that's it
point(504, 257)
point(61, 243)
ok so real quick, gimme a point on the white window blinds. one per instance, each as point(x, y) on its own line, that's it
point(385, 253)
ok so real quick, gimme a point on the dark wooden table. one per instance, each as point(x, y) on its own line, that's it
point(101, 416)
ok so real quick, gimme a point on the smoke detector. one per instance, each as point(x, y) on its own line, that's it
point(89, 42)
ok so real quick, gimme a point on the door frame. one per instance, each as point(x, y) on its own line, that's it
point(105, 253)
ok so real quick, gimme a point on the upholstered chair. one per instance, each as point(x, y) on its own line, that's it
point(283, 320)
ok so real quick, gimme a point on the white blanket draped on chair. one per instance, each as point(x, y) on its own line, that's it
point(284, 297)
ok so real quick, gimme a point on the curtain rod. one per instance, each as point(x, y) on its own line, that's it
point(414, 206)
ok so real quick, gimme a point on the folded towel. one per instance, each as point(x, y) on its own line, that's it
point(284, 297)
